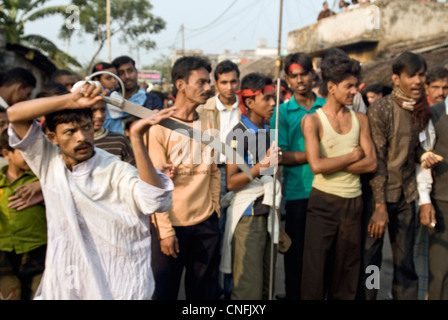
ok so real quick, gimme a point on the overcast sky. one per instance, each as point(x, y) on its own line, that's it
point(210, 25)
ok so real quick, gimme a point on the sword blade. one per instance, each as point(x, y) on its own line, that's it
point(213, 142)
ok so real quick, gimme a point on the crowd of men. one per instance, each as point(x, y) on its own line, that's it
point(99, 204)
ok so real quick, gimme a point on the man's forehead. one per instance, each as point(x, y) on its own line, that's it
point(296, 69)
point(406, 73)
point(126, 66)
point(201, 73)
point(66, 78)
point(76, 124)
point(439, 82)
point(227, 76)
point(99, 105)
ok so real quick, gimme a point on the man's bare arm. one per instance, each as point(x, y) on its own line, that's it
point(369, 162)
point(21, 114)
point(143, 162)
point(293, 158)
point(319, 164)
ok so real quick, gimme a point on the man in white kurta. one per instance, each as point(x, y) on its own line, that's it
point(99, 244)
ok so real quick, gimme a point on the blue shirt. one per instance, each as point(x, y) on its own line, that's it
point(252, 143)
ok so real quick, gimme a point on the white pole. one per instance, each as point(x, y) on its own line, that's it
point(108, 30)
point(273, 210)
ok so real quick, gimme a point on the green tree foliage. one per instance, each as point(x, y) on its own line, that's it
point(131, 19)
point(14, 14)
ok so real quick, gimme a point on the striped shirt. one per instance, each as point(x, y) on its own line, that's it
point(115, 143)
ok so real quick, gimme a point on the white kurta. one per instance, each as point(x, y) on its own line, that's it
point(99, 244)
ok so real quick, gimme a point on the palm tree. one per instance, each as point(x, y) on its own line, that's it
point(13, 16)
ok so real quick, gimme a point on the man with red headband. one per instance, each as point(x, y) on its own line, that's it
point(299, 75)
point(246, 246)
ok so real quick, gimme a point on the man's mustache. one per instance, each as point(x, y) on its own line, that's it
point(83, 146)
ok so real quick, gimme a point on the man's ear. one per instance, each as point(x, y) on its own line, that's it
point(250, 103)
point(5, 153)
point(180, 85)
point(331, 86)
point(396, 79)
point(15, 89)
point(52, 137)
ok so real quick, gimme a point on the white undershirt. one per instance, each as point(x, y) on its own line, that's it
point(228, 118)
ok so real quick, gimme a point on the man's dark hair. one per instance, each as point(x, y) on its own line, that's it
point(375, 88)
point(337, 68)
point(66, 116)
point(4, 141)
point(183, 67)
point(299, 58)
point(408, 62)
point(58, 73)
point(226, 66)
point(436, 73)
point(332, 52)
point(254, 81)
point(118, 62)
point(18, 75)
point(51, 89)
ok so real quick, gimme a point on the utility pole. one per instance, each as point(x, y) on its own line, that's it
point(274, 211)
point(182, 31)
point(108, 30)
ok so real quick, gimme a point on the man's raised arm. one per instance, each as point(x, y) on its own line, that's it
point(144, 164)
point(21, 114)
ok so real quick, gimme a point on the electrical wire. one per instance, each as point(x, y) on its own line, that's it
point(217, 18)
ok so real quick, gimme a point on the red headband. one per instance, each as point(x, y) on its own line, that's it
point(250, 93)
point(295, 66)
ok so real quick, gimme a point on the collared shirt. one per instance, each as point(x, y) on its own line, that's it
point(99, 244)
point(252, 144)
point(3, 103)
point(435, 138)
point(20, 231)
point(197, 181)
point(395, 135)
point(298, 178)
point(228, 118)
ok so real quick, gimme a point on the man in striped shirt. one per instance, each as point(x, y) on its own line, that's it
point(112, 142)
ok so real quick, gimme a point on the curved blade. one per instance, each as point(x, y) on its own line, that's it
point(213, 142)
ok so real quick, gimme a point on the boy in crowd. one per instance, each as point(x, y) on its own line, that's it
point(23, 234)
point(248, 234)
point(339, 148)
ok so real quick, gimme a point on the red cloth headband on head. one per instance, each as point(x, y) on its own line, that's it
point(99, 67)
point(250, 93)
point(295, 66)
point(268, 89)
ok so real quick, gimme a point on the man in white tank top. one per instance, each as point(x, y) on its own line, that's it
point(338, 147)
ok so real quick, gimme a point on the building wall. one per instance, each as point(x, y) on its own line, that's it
point(369, 30)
